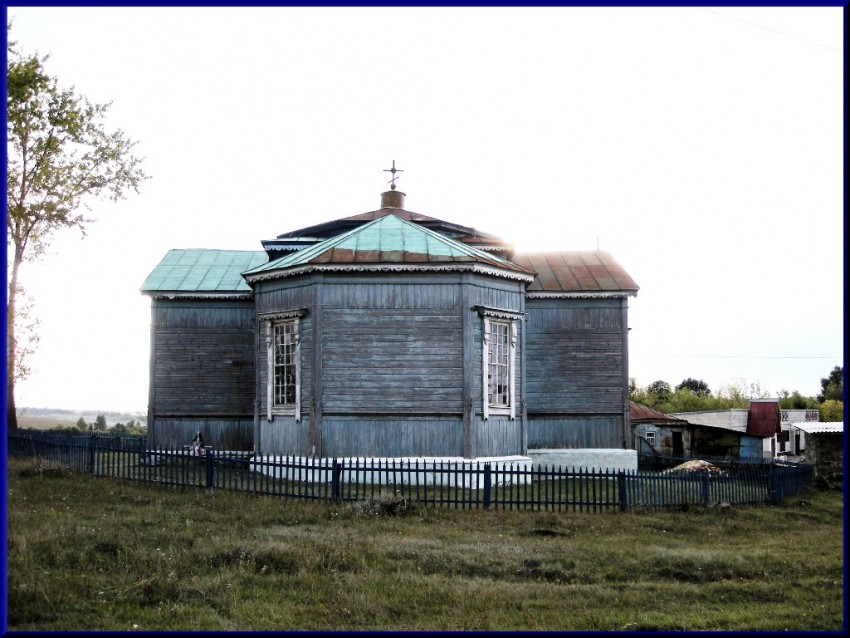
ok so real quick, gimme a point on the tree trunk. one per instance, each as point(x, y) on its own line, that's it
point(11, 347)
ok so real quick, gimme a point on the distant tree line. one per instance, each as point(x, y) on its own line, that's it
point(694, 395)
point(132, 427)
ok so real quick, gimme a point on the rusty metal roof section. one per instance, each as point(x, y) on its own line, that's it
point(639, 413)
point(389, 239)
point(576, 272)
point(763, 418)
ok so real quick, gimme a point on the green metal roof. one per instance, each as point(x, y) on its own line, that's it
point(200, 270)
point(388, 239)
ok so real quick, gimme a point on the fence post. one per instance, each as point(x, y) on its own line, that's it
point(773, 483)
point(208, 463)
point(336, 472)
point(91, 454)
point(706, 489)
point(488, 482)
point(621, 488)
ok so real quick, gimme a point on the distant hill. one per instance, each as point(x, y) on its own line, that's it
point(44, 418)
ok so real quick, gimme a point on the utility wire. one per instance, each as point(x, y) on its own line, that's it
point(760, 26)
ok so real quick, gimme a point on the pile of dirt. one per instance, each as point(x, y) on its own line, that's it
point(697, 466)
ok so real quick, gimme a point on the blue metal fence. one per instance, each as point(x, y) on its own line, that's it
point(460, 485)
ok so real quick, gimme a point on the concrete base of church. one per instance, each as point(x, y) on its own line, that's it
point(586, 459)
point(439, 471)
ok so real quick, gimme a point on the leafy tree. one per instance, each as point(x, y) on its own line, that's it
point(832, 387)
point(100, 423)
point(660, 390)
point(82, 425)
point(59, 157)
point(698, 387)
point(832, 410)
point(795, 401)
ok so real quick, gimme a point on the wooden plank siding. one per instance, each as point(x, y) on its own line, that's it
point(222, 434)
point(376, 361)
point(284, 436)
point(575, 382)
point(203, 364)
point(575, 431)
point(389, 436)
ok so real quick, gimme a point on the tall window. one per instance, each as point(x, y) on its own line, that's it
point(499, 363)
point(284, 364)
point(498, 374)
point(283, 354)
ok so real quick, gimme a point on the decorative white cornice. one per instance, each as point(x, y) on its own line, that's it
point(281, 316)
point(441, 267)
point(230, 296)
point(587, 294)
point(498, 313)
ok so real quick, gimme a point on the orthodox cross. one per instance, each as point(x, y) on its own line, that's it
point(393, 170)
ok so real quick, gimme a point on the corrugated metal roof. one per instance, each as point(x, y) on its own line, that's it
point(643, 414)
point(821, 427)
point(576, 271)
point(388, 239)
point(201, 270)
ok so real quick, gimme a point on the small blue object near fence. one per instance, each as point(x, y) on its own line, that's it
point(440, 484)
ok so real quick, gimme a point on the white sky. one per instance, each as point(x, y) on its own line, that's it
point(702, 147)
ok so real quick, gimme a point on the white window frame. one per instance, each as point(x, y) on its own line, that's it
point(271, 323)
point(509, 319)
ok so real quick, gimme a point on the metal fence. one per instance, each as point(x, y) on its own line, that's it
point(461, 485)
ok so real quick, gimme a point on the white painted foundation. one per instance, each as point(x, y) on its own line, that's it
point(390, 471)
point(597, 459)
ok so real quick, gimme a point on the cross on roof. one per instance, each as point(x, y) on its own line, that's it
point(393, 170)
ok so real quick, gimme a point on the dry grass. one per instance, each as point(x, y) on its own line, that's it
point(95, 554)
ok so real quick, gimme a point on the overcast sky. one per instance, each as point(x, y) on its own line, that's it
point(701, 147)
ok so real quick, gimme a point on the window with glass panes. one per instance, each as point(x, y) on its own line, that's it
point(284, 363)
point(499, 370)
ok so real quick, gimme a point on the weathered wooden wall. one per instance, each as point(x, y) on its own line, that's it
point(392, 436)
point(222, 434)
point(202, 371)
point(576, 388)
point(575, 431)
point(383, 359)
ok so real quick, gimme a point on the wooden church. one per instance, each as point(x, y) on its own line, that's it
point(389, 334)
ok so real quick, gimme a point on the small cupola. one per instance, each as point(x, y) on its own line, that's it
point(392, 199)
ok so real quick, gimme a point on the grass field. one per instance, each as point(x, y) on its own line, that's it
point(97, 554)
point(43, 422)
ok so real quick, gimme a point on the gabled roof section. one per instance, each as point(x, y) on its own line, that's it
point(389, 239)
point(576, 272)
point(639, 413)
point(763, 418)
point(200, 270)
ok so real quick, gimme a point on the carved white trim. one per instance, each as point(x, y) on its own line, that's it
point(200, 295)
point(435, 267)
point(498, 313)
point(282, 315)
point(485, 367)
point(589, 294)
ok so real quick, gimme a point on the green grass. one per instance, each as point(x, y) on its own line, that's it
point(98, 554)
